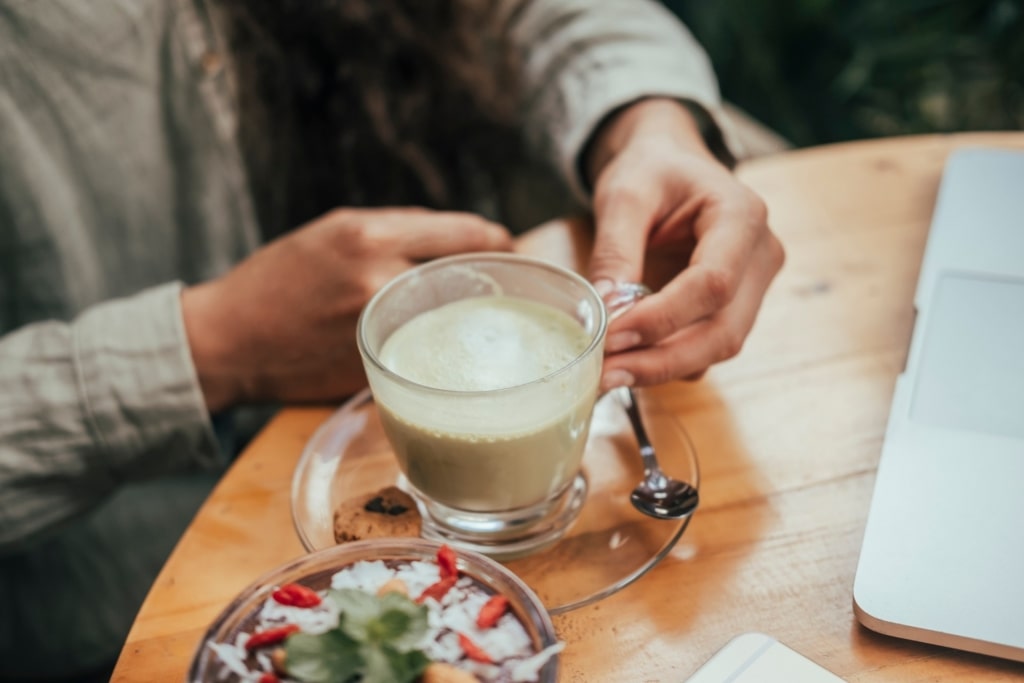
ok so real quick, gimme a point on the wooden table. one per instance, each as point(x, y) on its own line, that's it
point(788, 436)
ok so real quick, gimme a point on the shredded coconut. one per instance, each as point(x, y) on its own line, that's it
point(233, 658)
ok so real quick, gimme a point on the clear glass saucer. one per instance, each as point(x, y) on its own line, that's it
point(609, 545)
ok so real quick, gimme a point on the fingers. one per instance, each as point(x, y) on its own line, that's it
point(690, 351)
point(437, 234)
point(413, 234)
point(624, 215)
point(729, 230)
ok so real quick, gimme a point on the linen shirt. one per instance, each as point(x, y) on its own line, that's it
point(121, 182)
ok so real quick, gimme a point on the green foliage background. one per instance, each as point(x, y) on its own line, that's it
point(826, 70)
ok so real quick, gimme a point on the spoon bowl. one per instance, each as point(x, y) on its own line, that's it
point(658, 495)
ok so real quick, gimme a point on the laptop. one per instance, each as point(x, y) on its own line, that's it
point(942, 559)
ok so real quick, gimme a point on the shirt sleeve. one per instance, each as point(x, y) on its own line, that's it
point(85, 406)
point(585, 59)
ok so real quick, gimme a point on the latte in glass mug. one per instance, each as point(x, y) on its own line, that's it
point(485, 369)
point(490, 462)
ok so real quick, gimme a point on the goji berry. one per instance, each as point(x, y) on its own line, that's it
point(446, 561)
point(295, 595)
point(271, 636)
point(492, 611)
point(269, 678)
point(438, 590)
point(473, 651)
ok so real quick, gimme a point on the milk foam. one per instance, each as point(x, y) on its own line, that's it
point(484, 343)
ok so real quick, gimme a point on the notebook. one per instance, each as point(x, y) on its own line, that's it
point(942, 559)
point(759, 658)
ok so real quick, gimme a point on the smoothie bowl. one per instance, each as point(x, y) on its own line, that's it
point(382, 611)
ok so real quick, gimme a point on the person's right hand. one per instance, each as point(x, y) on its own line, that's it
point(281, 325)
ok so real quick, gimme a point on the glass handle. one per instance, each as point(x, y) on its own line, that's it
point(618, 301)
point(622, 298)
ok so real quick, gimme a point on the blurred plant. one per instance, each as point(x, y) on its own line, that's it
point(825, 70)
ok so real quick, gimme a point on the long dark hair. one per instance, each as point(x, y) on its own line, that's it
point(370, 102)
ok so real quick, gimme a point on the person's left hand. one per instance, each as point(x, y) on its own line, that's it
point(670, 215)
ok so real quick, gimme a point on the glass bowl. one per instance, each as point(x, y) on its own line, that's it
point(316, 569)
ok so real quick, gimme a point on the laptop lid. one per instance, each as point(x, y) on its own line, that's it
point(942, 559)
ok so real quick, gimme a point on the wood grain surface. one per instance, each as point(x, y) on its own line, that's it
point(788, 436)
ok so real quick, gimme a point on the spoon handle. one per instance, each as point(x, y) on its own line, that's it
point(628, 399)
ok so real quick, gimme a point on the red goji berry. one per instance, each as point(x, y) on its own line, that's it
point(271, 636)
point(474, 651)
point(446, 561)
point(269, 678)
point(492, 611)
point(295, 595)
point(438, 590)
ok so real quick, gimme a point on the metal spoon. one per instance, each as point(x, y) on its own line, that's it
point(658, 495)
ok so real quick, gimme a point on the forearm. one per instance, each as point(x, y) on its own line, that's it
point(85, 406)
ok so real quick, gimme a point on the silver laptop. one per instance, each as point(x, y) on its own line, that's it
point(943, 553)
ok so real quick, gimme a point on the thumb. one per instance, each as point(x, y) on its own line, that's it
point(622, 224)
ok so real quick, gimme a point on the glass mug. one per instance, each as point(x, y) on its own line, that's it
point(493, 460)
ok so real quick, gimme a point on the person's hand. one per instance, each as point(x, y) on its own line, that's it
point(281, 325)
point(670, 215)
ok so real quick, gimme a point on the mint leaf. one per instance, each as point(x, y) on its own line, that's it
point(392, 619)
point(355, 605)
point(385, 664)
point(331, 657)
point(374, 642)
point(388, 626)
point(404, 621)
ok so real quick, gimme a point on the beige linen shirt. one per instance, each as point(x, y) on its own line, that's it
point(121, 182)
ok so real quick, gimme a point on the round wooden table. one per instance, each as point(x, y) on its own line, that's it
point(788, 436)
